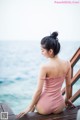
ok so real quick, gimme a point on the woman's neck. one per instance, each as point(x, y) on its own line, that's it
point(54, 58)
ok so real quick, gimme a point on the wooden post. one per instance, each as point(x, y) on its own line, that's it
point(74, 78)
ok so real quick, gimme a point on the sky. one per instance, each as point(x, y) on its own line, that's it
point(34, 19)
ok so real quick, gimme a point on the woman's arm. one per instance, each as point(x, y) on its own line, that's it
point(68, 88)
point(68, 82)
point(42, 74)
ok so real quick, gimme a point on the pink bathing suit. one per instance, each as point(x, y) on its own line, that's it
point(51, 99)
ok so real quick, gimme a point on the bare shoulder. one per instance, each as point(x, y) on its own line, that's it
point(69, 65)
point(44, 66)
point(66, 62)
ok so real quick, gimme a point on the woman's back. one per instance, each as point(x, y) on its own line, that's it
point(56, 73)
point(56, 68)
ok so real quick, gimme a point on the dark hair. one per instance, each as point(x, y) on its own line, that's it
point(51, 42)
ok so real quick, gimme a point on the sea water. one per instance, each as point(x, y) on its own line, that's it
point(19, 67)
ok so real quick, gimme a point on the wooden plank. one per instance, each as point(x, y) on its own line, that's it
point(73, 61)
point(73, 80)
point(75, 96)
point(5, 108)
point(68, 113)
point(12, 117)
point(1, 109)
point(75, 57)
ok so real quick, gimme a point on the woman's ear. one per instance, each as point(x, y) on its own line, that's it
point(51, 51)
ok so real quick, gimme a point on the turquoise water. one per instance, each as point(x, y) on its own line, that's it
point(19, 67)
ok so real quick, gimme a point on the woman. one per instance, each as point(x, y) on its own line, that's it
point(48, 97)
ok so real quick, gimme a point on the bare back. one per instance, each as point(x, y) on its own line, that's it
point(56, 68)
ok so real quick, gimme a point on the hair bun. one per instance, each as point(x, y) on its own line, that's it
point(54, 35)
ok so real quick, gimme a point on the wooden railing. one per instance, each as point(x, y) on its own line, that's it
point(74, 78)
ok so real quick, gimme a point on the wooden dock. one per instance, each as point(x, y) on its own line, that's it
point(5, 108)
point(67, 114)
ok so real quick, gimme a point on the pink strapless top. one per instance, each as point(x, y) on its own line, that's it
point(53, 85)
point(51, 99)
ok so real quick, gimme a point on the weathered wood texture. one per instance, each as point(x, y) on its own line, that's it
point(68, 114)
point(74, 78)
point(75, 57)
point(4, 108)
